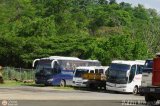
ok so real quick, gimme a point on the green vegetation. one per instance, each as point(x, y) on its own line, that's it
point(88, 29)
point(18, 74)
point(11, 83)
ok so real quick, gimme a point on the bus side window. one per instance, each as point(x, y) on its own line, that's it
point(56, 68)
point(132, 73)
point(92, 71)
point(139, 69)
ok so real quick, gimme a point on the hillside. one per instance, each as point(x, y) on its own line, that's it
point(88, 29)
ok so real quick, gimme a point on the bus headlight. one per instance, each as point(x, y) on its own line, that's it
point(50, 80)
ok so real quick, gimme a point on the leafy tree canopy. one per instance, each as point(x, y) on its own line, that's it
point(88, 29)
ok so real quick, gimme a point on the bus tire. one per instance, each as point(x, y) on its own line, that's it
point(62, 83)
point(135, 90)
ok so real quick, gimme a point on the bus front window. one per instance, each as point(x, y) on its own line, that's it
point(117, 73)
point(44, 69)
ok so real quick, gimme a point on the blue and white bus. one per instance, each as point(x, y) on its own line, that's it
point(58, 70)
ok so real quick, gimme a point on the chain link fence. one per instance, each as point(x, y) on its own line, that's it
point(19, 74)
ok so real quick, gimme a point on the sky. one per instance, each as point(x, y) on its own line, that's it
point(147, 3)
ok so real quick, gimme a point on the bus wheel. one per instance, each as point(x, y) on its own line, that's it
point(135, 90)
point(63, 83)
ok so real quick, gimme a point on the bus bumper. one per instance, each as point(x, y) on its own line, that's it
point(119, 88)
point(43, 82)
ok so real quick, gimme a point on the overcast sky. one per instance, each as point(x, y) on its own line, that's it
point(147, 3)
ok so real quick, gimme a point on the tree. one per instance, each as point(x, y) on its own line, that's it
point(88, 29)
point(112, 1)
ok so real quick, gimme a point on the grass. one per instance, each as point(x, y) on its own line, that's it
point(12, 83)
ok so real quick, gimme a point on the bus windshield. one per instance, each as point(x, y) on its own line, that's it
point(44, 68)
point(80, 72)
point(118, 73)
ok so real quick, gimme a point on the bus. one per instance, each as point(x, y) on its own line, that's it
point(125, 76)
point(58, 70)
point(90, 76)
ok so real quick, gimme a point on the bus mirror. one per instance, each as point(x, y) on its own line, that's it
point(35, 63)
point(128, 74)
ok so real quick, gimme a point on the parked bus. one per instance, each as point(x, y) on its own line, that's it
point(125, 76)
point(91, 76)
point(58, 70)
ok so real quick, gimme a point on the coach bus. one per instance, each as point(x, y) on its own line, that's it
point(58, 70)
point(125, 76)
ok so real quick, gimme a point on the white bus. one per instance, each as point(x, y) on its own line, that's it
point(79, 81)
point(125, 76)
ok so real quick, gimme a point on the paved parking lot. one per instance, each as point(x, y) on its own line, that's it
point(49, 93)
point(27, 93)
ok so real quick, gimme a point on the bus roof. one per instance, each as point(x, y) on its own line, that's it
point(85, 67)
point(91, 60)
point(65, 58)
point(93, 67)
point(141, 62)
point(60, 58)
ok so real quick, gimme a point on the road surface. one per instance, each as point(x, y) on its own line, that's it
point(40, 96)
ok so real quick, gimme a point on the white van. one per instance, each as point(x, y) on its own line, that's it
point(79, 81)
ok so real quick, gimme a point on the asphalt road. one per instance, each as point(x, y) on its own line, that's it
point(47, 96)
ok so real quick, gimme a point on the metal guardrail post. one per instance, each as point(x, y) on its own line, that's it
point(20, 74)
